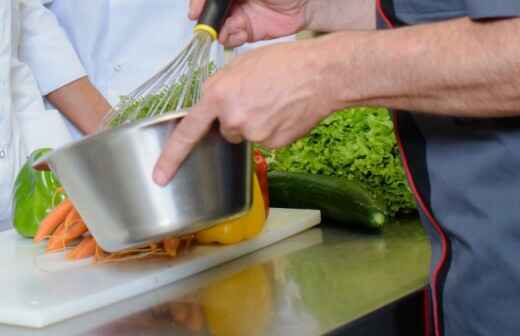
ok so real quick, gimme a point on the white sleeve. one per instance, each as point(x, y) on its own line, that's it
point(45, 47)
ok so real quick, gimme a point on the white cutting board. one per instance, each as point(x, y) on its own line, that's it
point(40, 290)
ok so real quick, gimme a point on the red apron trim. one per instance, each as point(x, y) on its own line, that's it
point(383, 15)
point(427, 212)
point(436, 226)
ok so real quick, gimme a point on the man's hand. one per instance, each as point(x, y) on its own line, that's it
point(271, 96)
point(255, 20)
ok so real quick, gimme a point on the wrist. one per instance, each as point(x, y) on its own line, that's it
point(341, 59)
point(360, 68)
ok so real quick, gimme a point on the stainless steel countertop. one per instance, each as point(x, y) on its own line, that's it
point(309, 284)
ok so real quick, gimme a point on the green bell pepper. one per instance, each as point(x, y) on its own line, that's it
point(35, 194)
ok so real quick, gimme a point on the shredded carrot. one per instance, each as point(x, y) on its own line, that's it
point(100, 254)
point(170, 246)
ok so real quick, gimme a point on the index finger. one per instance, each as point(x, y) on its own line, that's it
point(181, 142)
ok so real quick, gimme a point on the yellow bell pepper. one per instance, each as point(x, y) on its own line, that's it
point(236, 230)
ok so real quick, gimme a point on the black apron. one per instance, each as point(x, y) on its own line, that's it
point(465, 174)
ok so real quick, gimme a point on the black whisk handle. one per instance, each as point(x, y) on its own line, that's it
point(214, 14)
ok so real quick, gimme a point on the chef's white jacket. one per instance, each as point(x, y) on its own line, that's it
point(122, 43)
point(35, 58)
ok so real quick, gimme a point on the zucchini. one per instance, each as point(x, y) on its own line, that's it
point(339, 199)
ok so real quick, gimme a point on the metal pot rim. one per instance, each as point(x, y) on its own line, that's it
point(42, 163)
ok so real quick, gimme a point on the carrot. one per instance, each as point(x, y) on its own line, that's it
point(85, 249)
point(64, 224)
point(72, 218)
point(54, 237)
point(52, 220)
point(70, 231)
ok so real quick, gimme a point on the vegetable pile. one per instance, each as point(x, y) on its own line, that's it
point(357, 144)
point(43, 211)
point(60, 224)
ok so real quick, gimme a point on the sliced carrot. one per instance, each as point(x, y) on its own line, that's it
point(52, 220)
point(59, 240)
point(85, 249)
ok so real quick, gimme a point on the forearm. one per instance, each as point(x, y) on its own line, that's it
point(336, 15)
point(57, 69)
point(459, 68)
point(82, 103)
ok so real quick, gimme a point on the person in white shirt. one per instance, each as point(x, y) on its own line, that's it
point(123, 43)
point(36, 59)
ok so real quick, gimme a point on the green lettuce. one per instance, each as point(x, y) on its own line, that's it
point(357, 144)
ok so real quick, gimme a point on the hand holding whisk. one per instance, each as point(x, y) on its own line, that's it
point(179, 84)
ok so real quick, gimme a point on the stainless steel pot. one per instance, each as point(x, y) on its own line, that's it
point(108, 176)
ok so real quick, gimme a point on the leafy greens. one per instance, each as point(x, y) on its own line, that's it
point(357, 144)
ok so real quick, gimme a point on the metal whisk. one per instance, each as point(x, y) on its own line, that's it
point(179, 84)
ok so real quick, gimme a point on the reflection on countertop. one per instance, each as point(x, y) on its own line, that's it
point(308, 284)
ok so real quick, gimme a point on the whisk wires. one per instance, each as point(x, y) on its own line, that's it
point(175, 87)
